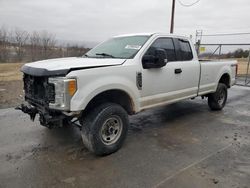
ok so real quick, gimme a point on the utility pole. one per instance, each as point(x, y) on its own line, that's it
point(172, 17)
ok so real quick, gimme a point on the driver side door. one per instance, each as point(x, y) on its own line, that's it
point(167, 84)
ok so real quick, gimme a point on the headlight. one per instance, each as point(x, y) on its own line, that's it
point(65, 88)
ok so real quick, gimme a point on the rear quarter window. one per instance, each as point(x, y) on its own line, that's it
point(185, 50)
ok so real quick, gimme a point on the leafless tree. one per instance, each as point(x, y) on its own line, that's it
point(35, 45)
point(20, 38)
point(19, 45)
point(48, 43)
point(75, 50)
point(4, 40)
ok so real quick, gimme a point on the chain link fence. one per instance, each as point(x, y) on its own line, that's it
point(238, 52)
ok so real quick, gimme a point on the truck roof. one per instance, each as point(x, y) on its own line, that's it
point(150, 34)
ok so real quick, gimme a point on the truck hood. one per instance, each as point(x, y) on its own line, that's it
point(62, 66)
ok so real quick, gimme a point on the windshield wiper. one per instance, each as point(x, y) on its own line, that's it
point(105, 54)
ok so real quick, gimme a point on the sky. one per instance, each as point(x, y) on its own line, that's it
point(92, 21)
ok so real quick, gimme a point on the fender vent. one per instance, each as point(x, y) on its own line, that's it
point(139, 80)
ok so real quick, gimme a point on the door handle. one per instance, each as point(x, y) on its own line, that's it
point(177, 71)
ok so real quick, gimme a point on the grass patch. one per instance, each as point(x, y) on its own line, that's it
point(10, 71)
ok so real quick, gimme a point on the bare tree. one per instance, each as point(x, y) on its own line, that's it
point(75, 50)
point(35, 45)
point(48, 43)
point(19, 45)
point(4, 41)
point(20, 38)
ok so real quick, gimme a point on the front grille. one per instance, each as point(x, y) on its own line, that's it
point(38, 90)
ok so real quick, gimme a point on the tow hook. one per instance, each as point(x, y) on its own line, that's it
point(28, 110)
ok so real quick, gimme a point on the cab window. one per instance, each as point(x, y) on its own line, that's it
point(165, 44)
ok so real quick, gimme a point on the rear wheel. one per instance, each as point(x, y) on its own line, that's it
point(217, 100)
point(104, 129)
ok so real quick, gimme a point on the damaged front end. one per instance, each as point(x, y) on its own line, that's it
point(49, 97)
point(47, 118)
point(28, 109)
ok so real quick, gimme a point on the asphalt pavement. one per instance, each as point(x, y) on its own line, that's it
point(179, 145)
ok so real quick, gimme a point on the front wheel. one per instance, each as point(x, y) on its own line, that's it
point(104, 129)
point(217, 100)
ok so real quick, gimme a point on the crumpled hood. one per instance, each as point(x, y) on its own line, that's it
point(62, 66)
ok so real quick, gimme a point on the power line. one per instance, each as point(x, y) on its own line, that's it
point(223, 34)
point(226, 44)
point(188, 5)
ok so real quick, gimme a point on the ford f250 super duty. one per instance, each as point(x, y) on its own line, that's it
point(121, 76)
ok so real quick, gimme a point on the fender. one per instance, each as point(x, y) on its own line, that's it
point(224, 70)
point(86, 93)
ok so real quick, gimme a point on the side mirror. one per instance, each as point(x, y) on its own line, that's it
point(159, 59)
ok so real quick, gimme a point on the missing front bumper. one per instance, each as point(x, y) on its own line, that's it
point(28, 109)
point(47, 118)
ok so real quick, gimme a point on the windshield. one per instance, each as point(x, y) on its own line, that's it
point(119, 47)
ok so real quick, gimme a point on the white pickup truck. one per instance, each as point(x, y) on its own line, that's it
point(121, 76)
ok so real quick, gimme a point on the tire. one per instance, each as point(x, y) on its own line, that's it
point(104, 129)
point(217, 100)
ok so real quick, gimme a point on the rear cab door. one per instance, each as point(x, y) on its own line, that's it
point(177, 80)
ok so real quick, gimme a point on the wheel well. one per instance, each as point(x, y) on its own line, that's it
point(225, 79)
point(115, 96)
